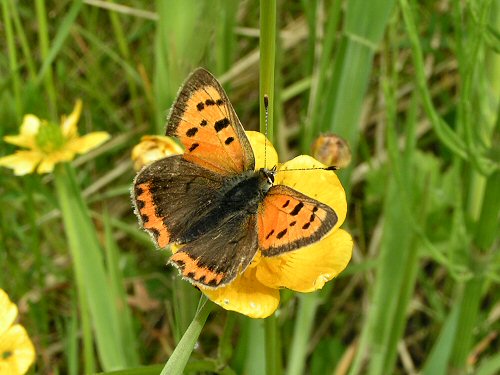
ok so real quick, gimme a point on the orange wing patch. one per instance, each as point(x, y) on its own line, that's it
point(206, 124)
point(150, 220)
point(191, 270)
point(289, 220)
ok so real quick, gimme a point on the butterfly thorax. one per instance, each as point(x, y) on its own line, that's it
point(241, 196)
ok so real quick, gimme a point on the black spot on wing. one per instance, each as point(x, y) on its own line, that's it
point(229, 140)
point(281, 234)
point(212, 282)
point(192, 132)
point(193, 147)
point(200, 106)
point(221, 124)
point(203, 123)
point(270, 234)
point(297, 209)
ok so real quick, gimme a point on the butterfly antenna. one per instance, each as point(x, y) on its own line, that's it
point(266, 108)
point(330, 168)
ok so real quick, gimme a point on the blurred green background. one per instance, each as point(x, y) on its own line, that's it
point(413, 86)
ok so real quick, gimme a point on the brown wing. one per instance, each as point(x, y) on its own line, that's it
point(170, 194)
point(288, 220)
point(205, 122)
point(218, 256)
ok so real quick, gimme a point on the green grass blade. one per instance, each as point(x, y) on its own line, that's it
point(273, 352)
point(313, 125)
point(117, 290)
point(89, 269)
point(437, 361)
point(254, 351)
point(304, 321)
point(179, 47)
point(179, 358)
point(364, 27)
point(145, 370)
point(226, 36)
point(13, 60)
point(442, 129)
point(490, 366)
point(59, 39)
point(30, 64)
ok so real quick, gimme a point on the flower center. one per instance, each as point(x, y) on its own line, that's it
point(50, 137)
point(6, 354)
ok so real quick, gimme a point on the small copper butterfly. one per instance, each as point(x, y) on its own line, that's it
point(211, 199)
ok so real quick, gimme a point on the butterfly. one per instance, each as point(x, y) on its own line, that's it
point(212, 201)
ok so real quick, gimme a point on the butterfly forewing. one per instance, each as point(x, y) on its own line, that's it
point(205, 122)
point(288, 220)
point(170, 194)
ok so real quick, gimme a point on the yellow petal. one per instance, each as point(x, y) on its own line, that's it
point(69, 124)
point(17, 352)
point(264, 152)
point(22, 162)
point(8, 312)
point(81, 145)
point(316, 183)
point(310, 267)
point(246, 295)
point(30, 125)
point(20, 140)
point(49, 161)
point(29, 130)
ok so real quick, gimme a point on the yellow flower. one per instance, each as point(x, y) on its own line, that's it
point(154, 147)
point(48, 144)
point(255, 292)
point(16, 349)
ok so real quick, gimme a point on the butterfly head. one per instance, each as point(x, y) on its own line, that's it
point(269, 175)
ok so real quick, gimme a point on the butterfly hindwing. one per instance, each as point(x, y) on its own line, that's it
point(170, 194)
point(217, 257)
point(205, 122)
point(288, 220)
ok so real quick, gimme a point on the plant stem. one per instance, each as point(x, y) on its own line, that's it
point(267, 63)
point(308, 304)
point(43, 38)
point(273, 366)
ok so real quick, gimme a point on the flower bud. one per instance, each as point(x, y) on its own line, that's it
point(332, 150)
point(152, 148)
